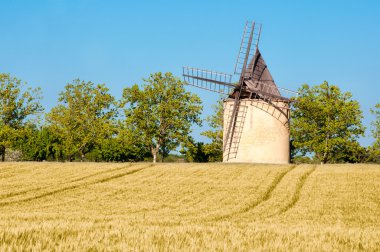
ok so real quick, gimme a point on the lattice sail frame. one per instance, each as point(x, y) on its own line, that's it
point(209, 80)
point(248, 45)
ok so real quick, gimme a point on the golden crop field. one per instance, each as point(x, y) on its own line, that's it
point(196, 207)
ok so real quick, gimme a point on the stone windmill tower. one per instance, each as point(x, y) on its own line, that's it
point(256, 114)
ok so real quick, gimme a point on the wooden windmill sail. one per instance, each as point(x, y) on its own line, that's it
point(255, 83)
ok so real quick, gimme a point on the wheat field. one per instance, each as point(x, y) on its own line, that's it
point(189, 207)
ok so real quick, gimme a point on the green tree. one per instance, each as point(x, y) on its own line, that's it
point(194, 151)
point(84, 116)
point(214, 150)
point(325, 122)
point(40, 143)
point(122, 147)
point(375, 149)
point(376, 126)
point(17, 107)
point(161, 113)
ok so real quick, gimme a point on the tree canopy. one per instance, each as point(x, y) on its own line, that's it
point(376, 126)
point(161, 113)
point(214, 150)
point(325, 122)
point(84, 117)
point(376, 131)
point(18, 105)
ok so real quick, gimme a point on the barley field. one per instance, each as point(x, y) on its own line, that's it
point(189, 207)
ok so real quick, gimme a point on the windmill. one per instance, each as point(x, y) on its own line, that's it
point(255, 113)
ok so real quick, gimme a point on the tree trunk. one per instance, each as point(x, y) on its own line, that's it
point(2, 152)
point(325, 154)
point(154, 157)
point(154, 151)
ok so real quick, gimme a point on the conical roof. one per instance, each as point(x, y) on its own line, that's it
point(258, 78)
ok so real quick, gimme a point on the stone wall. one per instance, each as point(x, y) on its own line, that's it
point(264, 134)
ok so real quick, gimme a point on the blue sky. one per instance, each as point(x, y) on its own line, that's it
point(51, 42)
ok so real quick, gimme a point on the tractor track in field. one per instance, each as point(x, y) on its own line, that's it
point(98, 173)
point(296, 195)
point(160, 186)
point(13, 194)
point(265, 197)
point(73, 187)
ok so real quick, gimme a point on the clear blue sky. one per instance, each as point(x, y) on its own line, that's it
point(51, 42)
